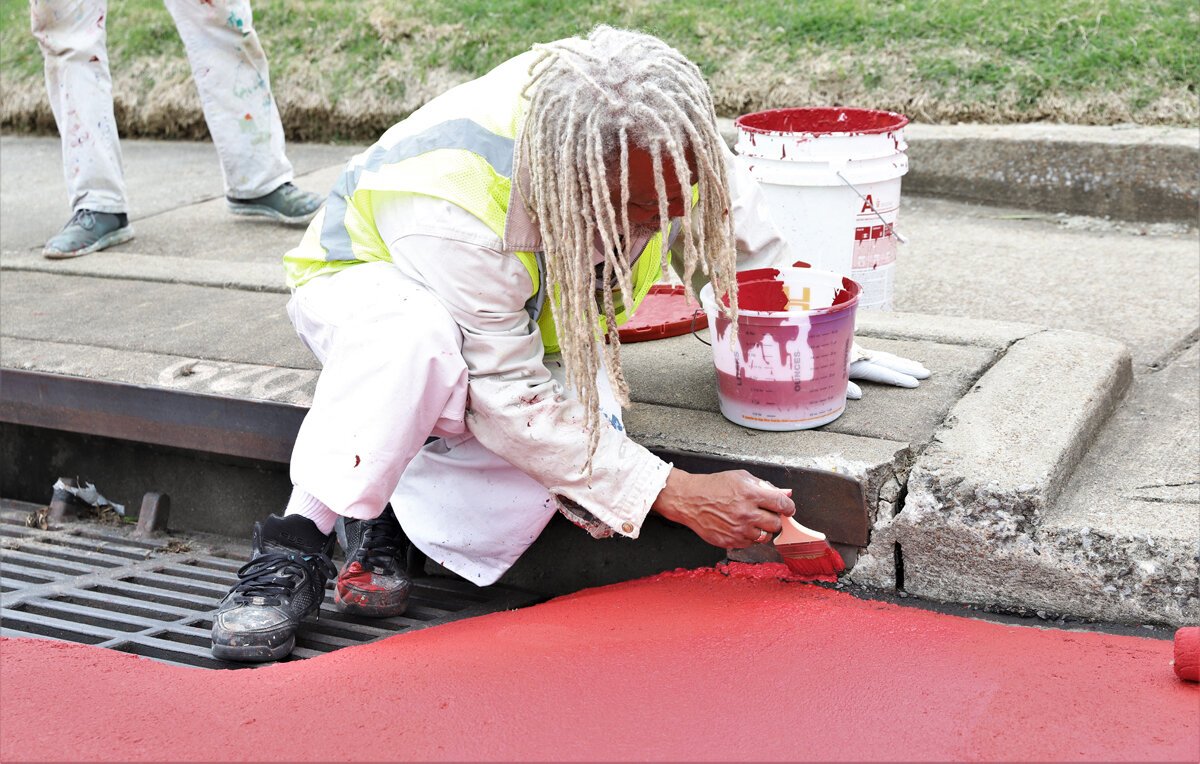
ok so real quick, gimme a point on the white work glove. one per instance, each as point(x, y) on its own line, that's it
point(885, 368)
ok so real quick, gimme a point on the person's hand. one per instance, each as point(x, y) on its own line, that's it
point(727, 509)
point(885, 368)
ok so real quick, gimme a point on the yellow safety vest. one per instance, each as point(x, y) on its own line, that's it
point(458, 147)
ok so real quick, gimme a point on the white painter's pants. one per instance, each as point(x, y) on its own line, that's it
point(230, 71)
point(393, 375)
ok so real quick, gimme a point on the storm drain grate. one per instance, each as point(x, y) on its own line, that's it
point(94, 584)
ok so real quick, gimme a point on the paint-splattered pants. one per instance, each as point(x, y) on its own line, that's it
point(230, 71)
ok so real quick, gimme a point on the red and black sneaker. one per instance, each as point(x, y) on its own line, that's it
point(375, 579)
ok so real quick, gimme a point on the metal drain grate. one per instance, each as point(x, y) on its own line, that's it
point(94, 584)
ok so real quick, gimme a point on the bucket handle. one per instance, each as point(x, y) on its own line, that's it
point(891, 228)
point(697, 336)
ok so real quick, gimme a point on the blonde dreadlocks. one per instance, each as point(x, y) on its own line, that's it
point(590, 101)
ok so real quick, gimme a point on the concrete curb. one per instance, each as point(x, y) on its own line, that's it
point(1125, 172)
point(972, 529)
point(131, 266)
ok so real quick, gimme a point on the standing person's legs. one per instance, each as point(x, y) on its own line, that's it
point(72, 38)
point(230, 71)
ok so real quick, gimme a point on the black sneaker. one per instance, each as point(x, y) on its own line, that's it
point(283, 584)
point(375, 580)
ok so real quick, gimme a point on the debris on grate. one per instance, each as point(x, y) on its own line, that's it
point(103, 585)
point(38, 518)
point(177, 546)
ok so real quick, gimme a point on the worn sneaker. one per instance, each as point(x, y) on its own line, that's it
point(283, 584)
point(287, 204)
point(375, 579)
point(89, 231)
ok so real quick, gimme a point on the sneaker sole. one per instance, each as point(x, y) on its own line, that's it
point(258, 211)
point(119, 236)
point(253, 653)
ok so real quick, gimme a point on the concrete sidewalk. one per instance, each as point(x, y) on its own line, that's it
point(1005, 481)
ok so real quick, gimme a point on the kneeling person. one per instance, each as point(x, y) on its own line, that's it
point(457, 284)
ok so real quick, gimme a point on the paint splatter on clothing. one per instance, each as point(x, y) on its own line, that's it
point(229, 68)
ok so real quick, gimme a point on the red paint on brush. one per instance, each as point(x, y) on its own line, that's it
point(822, 121)
point(1187, 653)
point(510, 686)
point(812, 558)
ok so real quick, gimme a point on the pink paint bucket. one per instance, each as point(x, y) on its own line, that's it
point(788, 367)
point(831, 178)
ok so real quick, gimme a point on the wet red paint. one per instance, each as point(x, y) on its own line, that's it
point(821, 121)
point(760, 289)
point(687, 666)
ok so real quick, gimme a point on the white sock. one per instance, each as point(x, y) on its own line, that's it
point(306, 505)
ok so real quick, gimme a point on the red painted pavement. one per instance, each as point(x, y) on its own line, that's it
point(682, 666)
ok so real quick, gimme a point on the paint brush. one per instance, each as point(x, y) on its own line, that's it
point(806, 551)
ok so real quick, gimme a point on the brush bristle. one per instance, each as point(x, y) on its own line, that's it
point(812, 558)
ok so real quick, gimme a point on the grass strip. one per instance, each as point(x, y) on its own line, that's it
point(349, 70)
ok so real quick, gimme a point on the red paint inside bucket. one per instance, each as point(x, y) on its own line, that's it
point(760, 289)
point(822, 120)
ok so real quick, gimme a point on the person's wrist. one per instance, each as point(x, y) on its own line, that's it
point(668, 503)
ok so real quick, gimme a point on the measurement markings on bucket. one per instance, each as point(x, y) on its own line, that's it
point(95, 584)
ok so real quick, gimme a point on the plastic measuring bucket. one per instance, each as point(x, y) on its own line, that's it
point(831, 178)
point(788, 367)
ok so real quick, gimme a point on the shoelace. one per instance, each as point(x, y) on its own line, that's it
point(379, 545)
point(85, 218)
point(288, 190)
point(261, 576)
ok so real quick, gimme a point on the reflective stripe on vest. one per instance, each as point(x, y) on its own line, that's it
point(461, 134)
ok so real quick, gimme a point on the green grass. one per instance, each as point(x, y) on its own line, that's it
point(364, 64)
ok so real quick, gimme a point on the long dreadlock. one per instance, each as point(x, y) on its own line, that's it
point(590, 101)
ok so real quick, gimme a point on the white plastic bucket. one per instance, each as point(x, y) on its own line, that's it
point(789, 366)
point(831, 178)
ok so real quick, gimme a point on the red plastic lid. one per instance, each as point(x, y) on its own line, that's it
point(665, 312)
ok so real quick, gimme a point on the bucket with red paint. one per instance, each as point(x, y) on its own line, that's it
point(788, 367)
point(831, 178)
